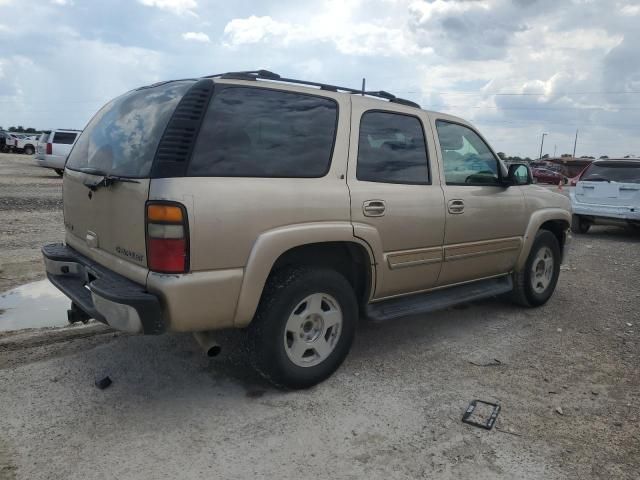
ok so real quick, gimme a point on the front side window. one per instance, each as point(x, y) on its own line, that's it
point(392, 149)
point(466, 157)
point(257, 132)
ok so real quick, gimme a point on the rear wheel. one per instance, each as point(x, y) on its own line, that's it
point(304, 326)
point(59, 171)
point(535, 284)
point(29, 150)
point(579, 224)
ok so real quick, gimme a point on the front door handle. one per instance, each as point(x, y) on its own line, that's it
point(373, 208)
point(456, 206)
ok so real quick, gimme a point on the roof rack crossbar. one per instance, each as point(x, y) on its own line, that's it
point(267, 75)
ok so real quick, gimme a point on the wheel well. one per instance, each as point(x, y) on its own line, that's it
point(559, 230)
point(348, 258)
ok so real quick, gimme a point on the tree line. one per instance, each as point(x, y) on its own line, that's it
point(21, 129)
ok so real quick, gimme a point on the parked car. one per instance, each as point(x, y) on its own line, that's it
point(545, 175)
point(54, 151)
point(25, 144)
point(4, 141)
point(247, 200)
point(607, 193)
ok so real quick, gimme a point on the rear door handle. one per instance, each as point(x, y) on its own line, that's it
point(456, 206)
point(373, 208)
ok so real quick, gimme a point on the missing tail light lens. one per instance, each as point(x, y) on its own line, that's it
point(167, 237)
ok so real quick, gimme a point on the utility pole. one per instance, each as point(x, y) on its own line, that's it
point(575, 143)
point(555, 149)
point(541, 144)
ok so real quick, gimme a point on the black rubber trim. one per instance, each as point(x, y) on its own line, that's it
point(177, 142)
point(107, 284)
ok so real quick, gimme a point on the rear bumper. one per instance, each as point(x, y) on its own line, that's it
point(51, 161)
point(101, 293)
point(606, 211)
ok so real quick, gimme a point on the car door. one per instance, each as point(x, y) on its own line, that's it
point(397, 205)
point(485, 220)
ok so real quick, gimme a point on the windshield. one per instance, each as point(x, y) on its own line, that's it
point(621, 172)
point(122, 138)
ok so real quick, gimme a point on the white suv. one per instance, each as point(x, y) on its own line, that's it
point(53, 151)
point(607, 193)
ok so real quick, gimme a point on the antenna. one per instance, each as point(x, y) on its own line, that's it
point(363, 83)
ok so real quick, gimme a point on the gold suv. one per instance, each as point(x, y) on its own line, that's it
point(290, 209)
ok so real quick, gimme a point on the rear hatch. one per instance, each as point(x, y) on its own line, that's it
point(106, 181)
point(41, 147)
point(614, 183)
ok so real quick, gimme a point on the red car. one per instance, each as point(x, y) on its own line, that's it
point(544, 175)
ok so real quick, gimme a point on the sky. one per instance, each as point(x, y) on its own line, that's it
point(514, 68)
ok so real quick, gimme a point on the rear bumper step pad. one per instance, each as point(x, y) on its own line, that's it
point(101, 293)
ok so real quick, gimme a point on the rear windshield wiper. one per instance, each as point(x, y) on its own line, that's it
point(104, 179)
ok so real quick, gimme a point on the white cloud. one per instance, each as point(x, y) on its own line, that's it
point(176, 6)
point(351, 38)
point(196, 37)
point(630, 10)
point(62, 2)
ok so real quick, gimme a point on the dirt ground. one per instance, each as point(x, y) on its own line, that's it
point(567, 376)
point(30, 214)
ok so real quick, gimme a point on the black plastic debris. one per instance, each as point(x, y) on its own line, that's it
point(103, 383)
point(478, 415)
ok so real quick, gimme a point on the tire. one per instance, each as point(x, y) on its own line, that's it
point(59, 171)
point(29, 150)
point(531, 289)
point(579, 224)
point(290, 341)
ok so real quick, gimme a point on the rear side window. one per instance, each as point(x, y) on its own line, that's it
point(64, 138)
point(257, 132)
point(123, 137)
point(391, 149)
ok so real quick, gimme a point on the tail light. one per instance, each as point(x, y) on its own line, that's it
point(167, 237)
point(49, 149)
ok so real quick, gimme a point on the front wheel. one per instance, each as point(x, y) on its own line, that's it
point(29, 150)
point(304, 326)
point(534, 285)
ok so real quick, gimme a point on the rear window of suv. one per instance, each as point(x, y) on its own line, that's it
point(258, 132)
point(616, 171)
point(123, 137)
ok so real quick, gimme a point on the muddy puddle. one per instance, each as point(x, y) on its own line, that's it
point(34, 305)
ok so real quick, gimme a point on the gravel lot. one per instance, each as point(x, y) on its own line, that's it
point(568, 379)
point(30, 214)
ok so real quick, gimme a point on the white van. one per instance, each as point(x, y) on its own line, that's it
point(53, 150)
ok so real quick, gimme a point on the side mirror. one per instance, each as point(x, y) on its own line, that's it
point(519, 174)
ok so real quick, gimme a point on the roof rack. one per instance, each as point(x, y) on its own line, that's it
point(267, 75)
